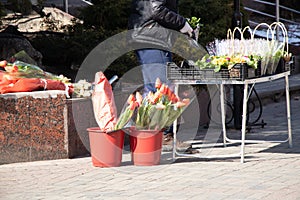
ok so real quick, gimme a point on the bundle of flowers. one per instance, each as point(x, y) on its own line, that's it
point(23, 77)
point(21, 69)
point(153, 112)
point(82, 89)
point(226, 62)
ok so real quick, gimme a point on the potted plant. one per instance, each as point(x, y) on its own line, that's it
point(150, 115)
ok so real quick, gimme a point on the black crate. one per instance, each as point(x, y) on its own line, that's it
point(239, 72)
point(284, 66)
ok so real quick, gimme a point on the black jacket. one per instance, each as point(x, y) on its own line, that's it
point(156, 24)
point(164, 12)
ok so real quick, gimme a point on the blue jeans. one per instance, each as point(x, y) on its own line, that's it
point(153, 63)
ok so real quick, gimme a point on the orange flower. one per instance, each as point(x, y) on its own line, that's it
point(158, 83)
point(132, 105)
point(173, 98)
point(131, 98)
point(155, 97)
point(169, 93)
point(139, 98)
point(163, 89)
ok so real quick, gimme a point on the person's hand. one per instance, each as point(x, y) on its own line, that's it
point(187, 29)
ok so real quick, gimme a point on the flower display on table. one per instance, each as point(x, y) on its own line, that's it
point(226, 62)
point(225, 53)
point(153, 112)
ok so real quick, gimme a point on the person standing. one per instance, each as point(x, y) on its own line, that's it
point(151, 18)
point(146, 14)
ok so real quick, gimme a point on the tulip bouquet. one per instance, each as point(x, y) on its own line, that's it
point(23, 77)
point(19, 69)
point(153, 112)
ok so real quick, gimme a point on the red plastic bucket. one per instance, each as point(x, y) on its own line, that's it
point(145, 146)
point(106, 149)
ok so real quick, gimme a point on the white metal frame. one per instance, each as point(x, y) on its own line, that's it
point(244, 115)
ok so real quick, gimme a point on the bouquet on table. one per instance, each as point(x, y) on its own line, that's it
point(153, 112)
point(224, 54)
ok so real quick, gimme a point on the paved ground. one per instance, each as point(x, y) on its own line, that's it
point(271, 171)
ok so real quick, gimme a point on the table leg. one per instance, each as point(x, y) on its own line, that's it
point(223, 113)
point(174, 129)
point(287, 94)
point(244, 118)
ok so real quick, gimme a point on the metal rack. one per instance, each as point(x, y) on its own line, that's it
point(239, 72)
point(246, 82)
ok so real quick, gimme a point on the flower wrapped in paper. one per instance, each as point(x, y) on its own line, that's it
point(23, 77)
point(104, 107)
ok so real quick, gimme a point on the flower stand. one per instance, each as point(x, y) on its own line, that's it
point(106, 148)
point(145, 146)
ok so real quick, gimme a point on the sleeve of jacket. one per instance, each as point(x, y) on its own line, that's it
point(165, 16)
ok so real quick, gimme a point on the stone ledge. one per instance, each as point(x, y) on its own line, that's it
point(43, 126)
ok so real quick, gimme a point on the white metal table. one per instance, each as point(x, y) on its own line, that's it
point(247, 91)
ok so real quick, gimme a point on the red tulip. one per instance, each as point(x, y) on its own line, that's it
point(154, 98)
point(164, 89)
point(131, 98)
point(174, 98)
point(132, 105)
